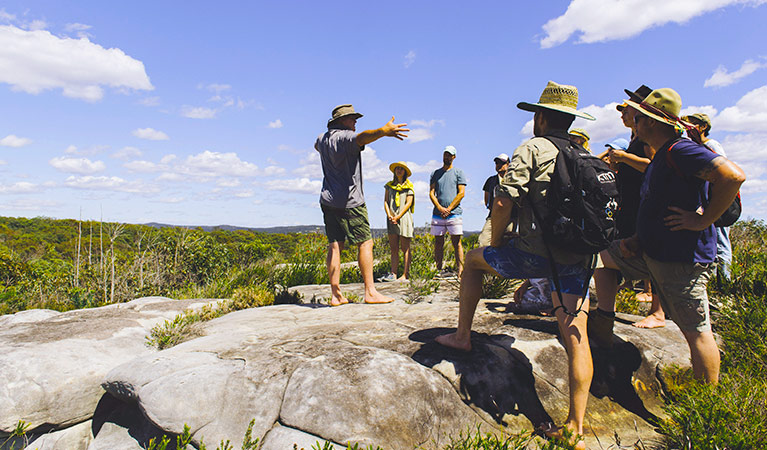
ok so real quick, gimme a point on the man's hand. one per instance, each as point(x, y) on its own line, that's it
point(630, 247)
point(396, 130)
point(685, 220)
point(520, 292)
point(617, 155)
point(444, 212)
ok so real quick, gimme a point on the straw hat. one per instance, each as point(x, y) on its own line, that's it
point(700, 118)
point(580, 132)
point(343, 111)
point(394, 165)
point(557, 97)
point(662, 105)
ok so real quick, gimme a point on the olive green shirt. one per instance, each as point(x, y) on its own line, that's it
point(526, 181)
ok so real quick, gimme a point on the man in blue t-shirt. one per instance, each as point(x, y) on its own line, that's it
point(675, 242)
point(447, 187)
point(342, 200)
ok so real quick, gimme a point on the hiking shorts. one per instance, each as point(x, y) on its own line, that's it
point(680, 286)
point(511, 262)
point(346, 224)
point(453, 225)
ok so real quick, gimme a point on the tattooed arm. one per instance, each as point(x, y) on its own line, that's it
point(725, 178)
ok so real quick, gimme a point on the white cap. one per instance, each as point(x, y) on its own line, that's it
point(450, 149)
point(503, 157)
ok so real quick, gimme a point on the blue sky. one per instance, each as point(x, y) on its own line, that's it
point(205, 113)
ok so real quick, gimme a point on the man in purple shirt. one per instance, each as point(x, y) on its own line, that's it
point(675, 242)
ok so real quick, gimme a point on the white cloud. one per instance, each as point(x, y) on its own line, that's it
point(606, 20)
point(607, 127)
point(169, 200)
point(215, 164)
point(167, 159)
point(309, 166)
point(142, 166)
point(36, 61)
point(245, 194)
point(71, 150)
point(722, 78)
point(81, 166)
point(422, 130)
point(92, 150)
point(229, 182)
point(127, 153)
point(150, 101)
point(6, 17)
point(749, 151)
point(14, 141)
point(22, 187)
point(276, 124)
point(109, 184)
point(198, 112)
point(80, 29)
point(707, 109)
point(218, 87)
point(302, 185)
point(150, 134)
point(749, 114)
point(409, 58)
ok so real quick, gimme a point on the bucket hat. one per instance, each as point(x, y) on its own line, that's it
point(394, 165)
point(343, 111)
point(557, 97)
point(662, 105)
point(700, 118)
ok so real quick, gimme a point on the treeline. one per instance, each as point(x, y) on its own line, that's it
point(69, 264)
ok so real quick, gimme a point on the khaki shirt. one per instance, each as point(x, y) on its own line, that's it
point(526, 181)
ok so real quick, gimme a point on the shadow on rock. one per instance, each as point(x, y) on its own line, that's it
point(493, 377)
point(117, 424)
point(614, 370)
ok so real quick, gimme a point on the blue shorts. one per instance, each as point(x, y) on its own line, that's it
point(511, 262)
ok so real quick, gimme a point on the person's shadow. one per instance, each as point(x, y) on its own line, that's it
point(494, 376)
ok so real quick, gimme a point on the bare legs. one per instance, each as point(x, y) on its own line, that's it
point(365, 258)
point(333, 262)
point(704, 354)
point(397, 242)
point(656, 318)
point(471, 289)
point(439, 252)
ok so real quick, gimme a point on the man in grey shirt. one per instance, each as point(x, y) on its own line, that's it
point(342, 200)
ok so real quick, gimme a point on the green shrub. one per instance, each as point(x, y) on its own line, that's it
point(498, 287)
point(626, 302)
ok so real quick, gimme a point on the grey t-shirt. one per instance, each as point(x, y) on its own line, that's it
point(446, 187)
point(341, 169)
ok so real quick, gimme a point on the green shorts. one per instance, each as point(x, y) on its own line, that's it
point(346, 224)
point(680, 286)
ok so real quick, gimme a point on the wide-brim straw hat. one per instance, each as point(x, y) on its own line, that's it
point(662, 105)
point(394, 165)
point(557, 97)
point(343, 111)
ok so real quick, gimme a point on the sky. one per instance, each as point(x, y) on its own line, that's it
point(206, 113)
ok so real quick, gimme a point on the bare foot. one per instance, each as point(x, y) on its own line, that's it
point(451, 340)
point(563, 435)
point(376, 298)
point(644, 297)
point(402, 278)
point(338, 301)
point(651, 321)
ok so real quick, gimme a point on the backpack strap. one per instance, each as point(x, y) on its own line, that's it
point(670, 161)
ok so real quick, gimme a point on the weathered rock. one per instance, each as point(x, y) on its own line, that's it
point(51, 368)
point(283, 438)
point(350, 374)
point(74, 437)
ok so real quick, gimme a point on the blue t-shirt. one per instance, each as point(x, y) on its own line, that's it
point(666, 186)
point(446, 188)
point(341, 169)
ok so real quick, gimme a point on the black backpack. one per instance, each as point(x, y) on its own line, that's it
point(582, 201)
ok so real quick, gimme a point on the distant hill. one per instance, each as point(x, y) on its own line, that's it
point(283, 229)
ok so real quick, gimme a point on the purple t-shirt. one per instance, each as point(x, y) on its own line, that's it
point(666, 186)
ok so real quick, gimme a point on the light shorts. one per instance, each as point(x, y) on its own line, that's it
point(452, 225)
point(511, 262)
point(680, 286)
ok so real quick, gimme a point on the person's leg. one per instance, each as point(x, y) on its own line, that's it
point(365, 258)
point(580, 367)
point(606, 282)
point(470, 292)
point(704, 354)
point(439, 250)
point(458, 250)
point(646, 295)
point(394, 248)
point(333, 262)
point(484, 235)
point(404, 243)
point(656, 318)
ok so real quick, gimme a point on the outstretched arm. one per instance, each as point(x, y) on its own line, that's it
point(392, 129)
point(725, 178)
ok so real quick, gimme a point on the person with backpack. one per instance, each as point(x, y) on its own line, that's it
point(675, 243)
point(524, 187)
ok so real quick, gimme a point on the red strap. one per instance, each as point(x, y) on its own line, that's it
point(670, 161)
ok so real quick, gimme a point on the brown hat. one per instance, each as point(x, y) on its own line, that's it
point(343, 111)
point(557, 97)
point(640, 94)
point(662, 105)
